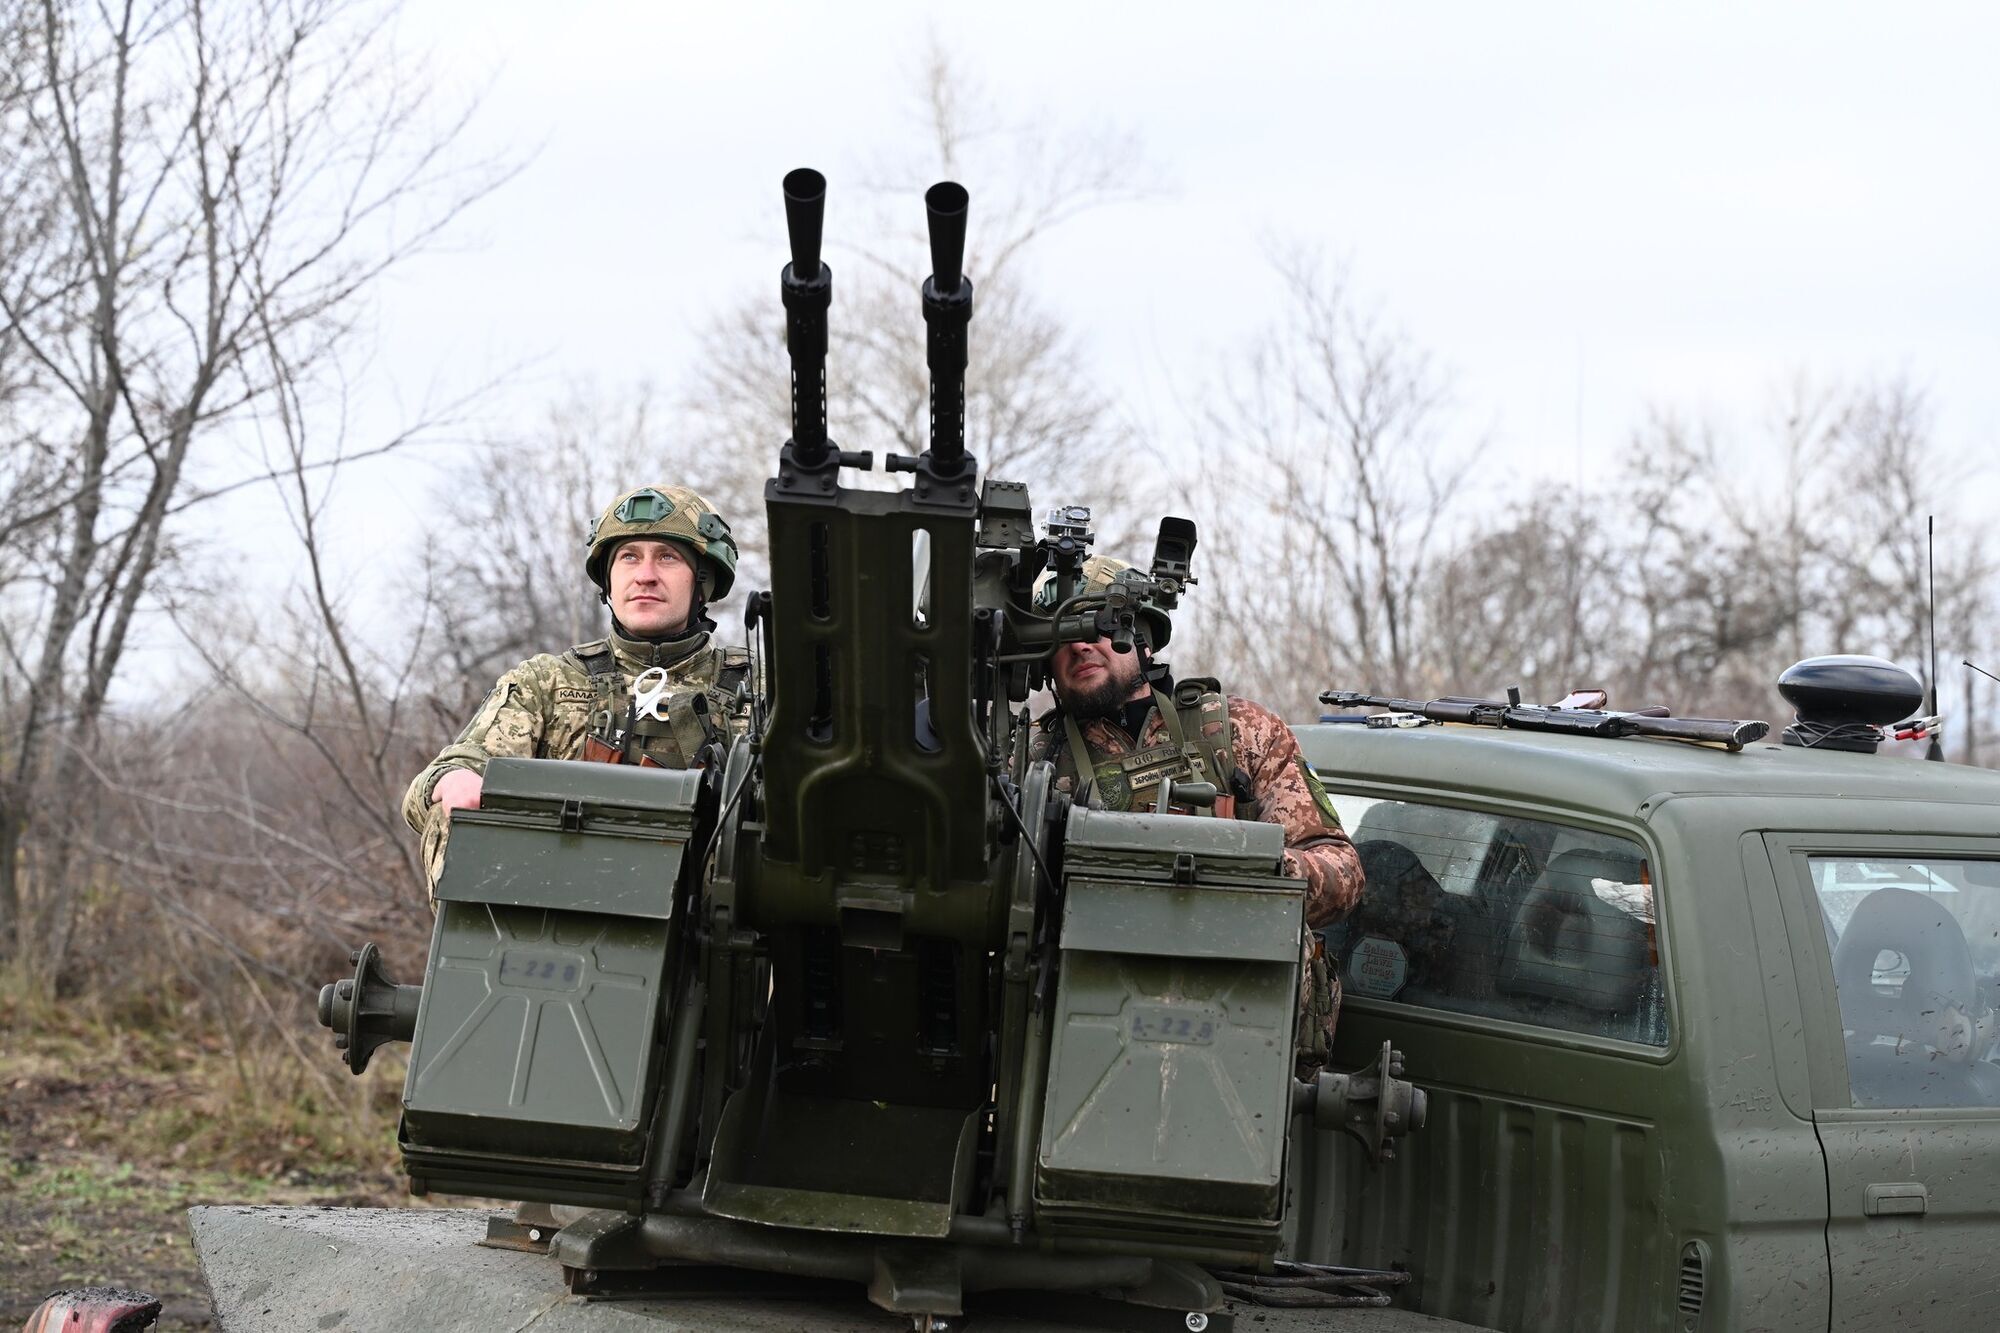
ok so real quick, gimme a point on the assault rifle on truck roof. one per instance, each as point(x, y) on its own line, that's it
point(1511, 712)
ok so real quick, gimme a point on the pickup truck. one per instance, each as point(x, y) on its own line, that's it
point(1708, 1036)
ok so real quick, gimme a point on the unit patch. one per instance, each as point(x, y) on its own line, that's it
point(1320, 798)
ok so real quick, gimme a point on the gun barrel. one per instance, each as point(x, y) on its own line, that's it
point(947, 313)
point(805, 218)
point(806, 286)
point(945, 203)
point(1437, 710)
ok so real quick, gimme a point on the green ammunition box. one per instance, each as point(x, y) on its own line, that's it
point(1170, 1075)
point(533, 1070)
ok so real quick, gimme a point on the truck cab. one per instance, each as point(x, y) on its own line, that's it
point(1709, 1036)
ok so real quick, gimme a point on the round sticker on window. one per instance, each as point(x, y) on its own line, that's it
point(1376, 968)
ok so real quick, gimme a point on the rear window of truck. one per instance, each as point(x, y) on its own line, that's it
point(1501, 916)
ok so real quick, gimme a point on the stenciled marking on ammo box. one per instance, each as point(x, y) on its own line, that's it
point(540, 971)
point(1377, 968)
point(1173, 1023)
point(875, 851)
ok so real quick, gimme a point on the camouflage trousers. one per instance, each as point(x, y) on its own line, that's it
point(1319, 1006)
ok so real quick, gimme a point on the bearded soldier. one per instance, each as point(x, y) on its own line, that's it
point(653, 692)
point(1122, 726)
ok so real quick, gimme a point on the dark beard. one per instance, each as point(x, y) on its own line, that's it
point(1106, 699)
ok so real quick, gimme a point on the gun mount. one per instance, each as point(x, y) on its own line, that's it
point(868, 998)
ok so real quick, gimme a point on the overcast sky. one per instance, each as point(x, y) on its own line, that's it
point(1580, 210)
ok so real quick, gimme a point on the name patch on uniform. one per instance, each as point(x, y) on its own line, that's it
point(1148, 773)
point(575, 694)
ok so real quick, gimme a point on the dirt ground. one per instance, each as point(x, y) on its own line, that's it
point(108, 1137)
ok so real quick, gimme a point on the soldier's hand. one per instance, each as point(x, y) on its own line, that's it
point(458, 790)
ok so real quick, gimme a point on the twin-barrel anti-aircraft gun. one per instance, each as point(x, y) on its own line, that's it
point(863, 996)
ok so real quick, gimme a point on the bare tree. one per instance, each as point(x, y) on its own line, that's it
point(1693, 579)
point(1328, 469)
point(1535, 599)
point(228, 183)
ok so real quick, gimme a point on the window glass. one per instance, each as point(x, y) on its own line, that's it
point(1497, 915)
point(1916, 963)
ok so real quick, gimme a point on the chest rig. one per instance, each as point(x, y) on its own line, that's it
point(1198, 745)
point(691, 713)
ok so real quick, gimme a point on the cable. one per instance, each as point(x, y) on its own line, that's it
point(1811, 734)
point(1027, 838)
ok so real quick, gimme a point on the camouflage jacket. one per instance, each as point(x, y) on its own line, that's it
point(1283, 787)
point(543, 708)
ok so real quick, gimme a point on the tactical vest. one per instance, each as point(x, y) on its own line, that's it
point(695, 714)
point(1199, 746)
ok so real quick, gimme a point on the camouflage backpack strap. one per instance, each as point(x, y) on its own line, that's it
point(601, 665)
point(734, 671)
point(726, 706)
point(1200, 718)
point(596, 659)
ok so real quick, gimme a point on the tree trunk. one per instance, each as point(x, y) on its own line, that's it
point(13, 818)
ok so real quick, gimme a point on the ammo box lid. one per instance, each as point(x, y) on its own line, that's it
point(579, 792)
point(1110, 842)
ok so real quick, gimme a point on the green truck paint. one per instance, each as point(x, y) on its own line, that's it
point(1720, 1176)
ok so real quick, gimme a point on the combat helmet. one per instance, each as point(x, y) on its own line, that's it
point(1099, 572)
point(666, 513)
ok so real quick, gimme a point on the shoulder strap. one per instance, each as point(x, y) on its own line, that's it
point(601, 665)
point(734, 671)
point(1079, 755)
point(597, 658)
point(1188, 692)
point(1202, 711)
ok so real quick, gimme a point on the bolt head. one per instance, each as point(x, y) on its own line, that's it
point(354, 958)
point(1196, 1321)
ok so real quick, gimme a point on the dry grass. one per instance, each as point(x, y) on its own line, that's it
point(115, 1118)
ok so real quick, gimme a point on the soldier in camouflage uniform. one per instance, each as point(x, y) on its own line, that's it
point(1121, 726)
point(658, 556)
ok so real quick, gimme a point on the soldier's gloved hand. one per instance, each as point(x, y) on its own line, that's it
point(458, 790)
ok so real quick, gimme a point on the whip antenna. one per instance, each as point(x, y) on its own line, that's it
point(1936, 750)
